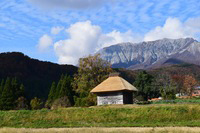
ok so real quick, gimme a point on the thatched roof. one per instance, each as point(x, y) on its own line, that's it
point(114, 83)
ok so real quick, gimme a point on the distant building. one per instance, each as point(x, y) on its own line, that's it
point(114, 90)
point(196, 91)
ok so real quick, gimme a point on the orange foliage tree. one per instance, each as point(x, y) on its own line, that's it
point(189, 84)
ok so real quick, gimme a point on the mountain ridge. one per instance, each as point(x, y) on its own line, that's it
point(145, 55)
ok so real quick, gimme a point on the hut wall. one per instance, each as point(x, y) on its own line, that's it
point(110, 98)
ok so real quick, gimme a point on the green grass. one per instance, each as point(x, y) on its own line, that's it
point(105, 116)
point(178, 101)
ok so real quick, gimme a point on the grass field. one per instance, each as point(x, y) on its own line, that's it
point(105, 116)
point(178, 101)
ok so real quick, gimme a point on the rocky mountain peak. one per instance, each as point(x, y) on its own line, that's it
point(144, 54)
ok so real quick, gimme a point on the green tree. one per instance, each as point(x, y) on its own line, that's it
point(52, 91)
point(51, 96)
point(63, 90)
point(17, 88)
point(144, 84)
point(92, 71)
point(1, 87)
point(20, 91)
point(66, 89)
point(168, 87)
point(7, 98)
point(36, 103)
point(58, 88)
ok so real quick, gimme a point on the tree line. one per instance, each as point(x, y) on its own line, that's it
point(75, 90)
point(11, 94)
point(164, 85)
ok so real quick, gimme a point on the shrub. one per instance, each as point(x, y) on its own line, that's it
point(36, 103)
point(61, 102)
point(21, 103)
point(143, 102)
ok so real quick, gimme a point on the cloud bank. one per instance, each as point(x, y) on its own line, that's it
point(174, 28)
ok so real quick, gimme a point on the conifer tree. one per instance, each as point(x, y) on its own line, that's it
point(58, 88)
point(52, 92)
point(7, 98)
point(1, 91)
point(66, 88)
point(14, 87)
point(21, 91)
point(64, 91)
point(1, 87)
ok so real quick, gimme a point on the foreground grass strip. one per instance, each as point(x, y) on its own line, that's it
point(105, 116)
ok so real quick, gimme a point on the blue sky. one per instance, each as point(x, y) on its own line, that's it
point(62, 31)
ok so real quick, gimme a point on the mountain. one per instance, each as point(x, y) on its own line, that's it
point(153, 54)
point(36, 75)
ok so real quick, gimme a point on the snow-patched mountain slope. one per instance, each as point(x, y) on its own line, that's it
point(146, 54)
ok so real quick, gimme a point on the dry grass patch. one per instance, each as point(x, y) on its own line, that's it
point(105, 130)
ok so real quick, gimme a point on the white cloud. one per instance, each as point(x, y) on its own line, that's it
point(115, 37)
point(82, 41)
point(71, 4)
point(174, 29)
point(44, 43)
point(56, 30)
point(85, 39)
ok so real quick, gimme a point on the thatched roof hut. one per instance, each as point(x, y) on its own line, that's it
point(114, 83)
point(114, 90)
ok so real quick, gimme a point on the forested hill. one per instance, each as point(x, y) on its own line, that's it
point(183, 69)
point(36, 75)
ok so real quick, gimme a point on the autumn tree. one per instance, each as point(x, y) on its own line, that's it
point(92, 71)
point(189, 84)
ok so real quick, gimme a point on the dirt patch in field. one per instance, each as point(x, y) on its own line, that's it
point(105, 130)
